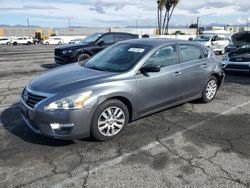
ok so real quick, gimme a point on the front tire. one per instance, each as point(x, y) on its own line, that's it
point(210, 90)
point(109, 120)
point(83, 57)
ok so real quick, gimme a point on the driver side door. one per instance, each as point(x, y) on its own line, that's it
point(157, 90)
point(104, 42)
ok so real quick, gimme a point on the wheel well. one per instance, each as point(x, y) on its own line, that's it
point(84, 52)
point(127, 104)
point(218, 78)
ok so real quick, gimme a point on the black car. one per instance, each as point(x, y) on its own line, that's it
point(238, 59)
point(230, 47)
point(89, 46)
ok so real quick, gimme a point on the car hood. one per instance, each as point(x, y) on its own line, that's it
point(74, 46)
point(241, 38)
point(242, 53)
point(69, 77)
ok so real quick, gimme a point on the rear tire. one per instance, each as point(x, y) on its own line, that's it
point(59, 43)
point(14, 43)
point(28, 43)
point(210, 90)
point(109, 120)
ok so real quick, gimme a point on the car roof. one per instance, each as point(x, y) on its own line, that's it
point(120, 33)
point(155, 41)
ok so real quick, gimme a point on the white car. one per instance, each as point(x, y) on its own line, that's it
point(216, 42)
point(4, 40)
point(53, 40)
point(22, 40)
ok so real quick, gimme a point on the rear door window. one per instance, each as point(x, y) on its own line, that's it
point(190, 53)
point(122, 37)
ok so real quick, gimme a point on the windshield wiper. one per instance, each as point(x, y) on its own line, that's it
point(96, 68)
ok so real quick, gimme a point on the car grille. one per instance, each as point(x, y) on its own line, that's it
point(237, 66)
point(57, 52)
point(31, 99)
point(239, 59)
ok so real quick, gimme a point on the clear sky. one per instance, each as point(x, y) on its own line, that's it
point(107, 13)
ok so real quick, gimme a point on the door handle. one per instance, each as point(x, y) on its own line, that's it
point(177, 73)
point(205, 65)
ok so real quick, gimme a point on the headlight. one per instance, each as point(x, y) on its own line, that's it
point(71, 102)
point(226, 57)
point(67, 51)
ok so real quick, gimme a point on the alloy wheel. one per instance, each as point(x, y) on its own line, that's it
point(111, 121)
point(211, 89)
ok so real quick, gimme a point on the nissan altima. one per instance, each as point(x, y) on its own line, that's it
point(122, 83)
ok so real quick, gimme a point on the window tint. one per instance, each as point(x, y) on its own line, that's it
point(107, 39)
point(221, 38)
point(205, 53)
point(118, 58)
point(214, 38)
point(190, 53)
point(121, 37)
point(165, 56)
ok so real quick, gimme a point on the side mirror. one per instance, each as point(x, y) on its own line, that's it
point(151, 68)
point(100, 43)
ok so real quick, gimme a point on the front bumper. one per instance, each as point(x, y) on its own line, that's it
point(64, 60)
point(39, 122)
point(236, 66)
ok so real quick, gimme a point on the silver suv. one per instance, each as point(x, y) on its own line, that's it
point(122, 83)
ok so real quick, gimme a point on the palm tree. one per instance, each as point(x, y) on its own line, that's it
point(169, 6)
point(160, 8)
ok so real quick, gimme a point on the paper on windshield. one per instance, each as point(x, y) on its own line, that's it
point(136, 50)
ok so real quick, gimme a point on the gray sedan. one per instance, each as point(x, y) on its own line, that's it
point(122, 83)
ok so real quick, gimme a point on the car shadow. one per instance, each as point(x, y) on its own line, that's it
point(242, 78)
point(12, 121)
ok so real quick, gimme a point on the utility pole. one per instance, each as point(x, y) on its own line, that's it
point(28, 24)
point(69, 21)
point(136, 23)
point(197, 32)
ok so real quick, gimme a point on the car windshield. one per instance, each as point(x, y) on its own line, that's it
point(202, 38)
point(246, 46)
point(91, 38)
point(118, 58)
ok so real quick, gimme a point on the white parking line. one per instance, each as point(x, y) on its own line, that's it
point(121, 158)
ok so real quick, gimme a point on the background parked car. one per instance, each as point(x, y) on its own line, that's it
point(238, 59)
point(22, 40)
point(5, 40)
point(230, 47)
point(216, 42)
point(53, 40)
point(89, 46)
